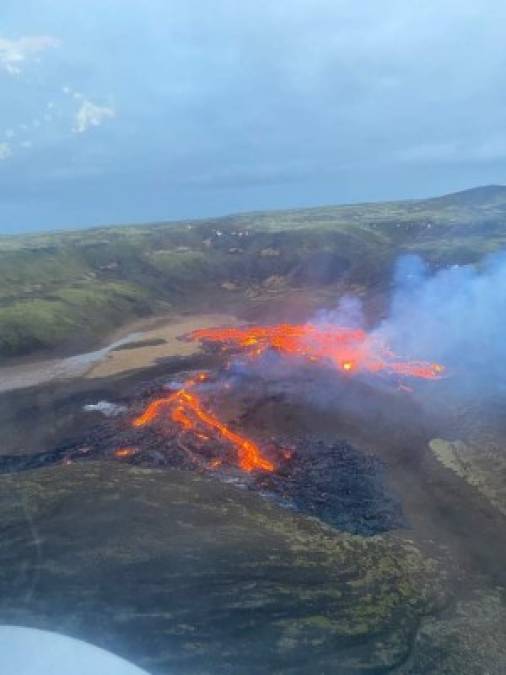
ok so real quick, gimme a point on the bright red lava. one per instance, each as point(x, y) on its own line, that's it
point(122, 453)
point(347, 349)
point(185, 408)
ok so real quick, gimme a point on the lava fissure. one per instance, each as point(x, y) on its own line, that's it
point(349, 350)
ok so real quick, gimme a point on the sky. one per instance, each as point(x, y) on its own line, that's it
point(120, 111)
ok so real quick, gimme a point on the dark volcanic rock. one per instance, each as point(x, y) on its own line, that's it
point(183, 574)
point(340, 485)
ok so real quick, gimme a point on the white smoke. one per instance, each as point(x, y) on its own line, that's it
point(106, 408)
point(349, 312)
point(456, 316)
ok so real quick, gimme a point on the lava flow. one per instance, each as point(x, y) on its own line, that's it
point(347, 349)
point(185, 409)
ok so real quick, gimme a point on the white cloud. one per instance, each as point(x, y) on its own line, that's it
point(10, 133)
point(5, 151)
point(26, 144)
point(91, 115)
point(15, 53)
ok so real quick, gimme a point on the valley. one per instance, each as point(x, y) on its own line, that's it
point(369, 539)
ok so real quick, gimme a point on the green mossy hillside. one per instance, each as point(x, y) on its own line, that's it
point(68, 288)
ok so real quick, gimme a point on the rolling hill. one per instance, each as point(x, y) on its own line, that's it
point(64, 290)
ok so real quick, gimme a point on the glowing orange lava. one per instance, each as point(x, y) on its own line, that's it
point(347, 349)
point(185, 409)
point(121, 453)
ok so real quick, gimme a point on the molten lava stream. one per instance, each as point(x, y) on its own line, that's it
point(123, 453)
point(186, 409)
point(347, 349)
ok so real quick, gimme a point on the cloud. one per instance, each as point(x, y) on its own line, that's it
point(266, 104)
point(15, 53)
point(91, 115)
point(5, 151)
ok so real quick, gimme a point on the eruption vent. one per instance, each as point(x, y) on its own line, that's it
point(347, 349)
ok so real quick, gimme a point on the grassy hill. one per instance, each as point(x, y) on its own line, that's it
point(66, 289)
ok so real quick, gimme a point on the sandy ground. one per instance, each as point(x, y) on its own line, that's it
point(106, 361)
point(142, 355)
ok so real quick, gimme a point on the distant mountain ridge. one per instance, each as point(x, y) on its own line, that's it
point(477, 196)
point(480, 197)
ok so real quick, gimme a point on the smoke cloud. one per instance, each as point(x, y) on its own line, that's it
point(349, 312)
point(456, 316)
